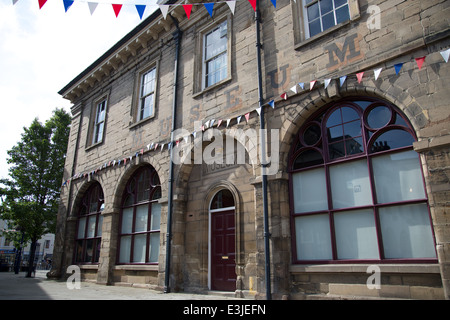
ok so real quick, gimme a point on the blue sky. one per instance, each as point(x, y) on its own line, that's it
point(42, 50)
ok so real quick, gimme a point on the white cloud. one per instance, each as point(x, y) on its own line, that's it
point(43, 50)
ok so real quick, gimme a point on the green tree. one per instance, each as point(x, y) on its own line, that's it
point(30, 196)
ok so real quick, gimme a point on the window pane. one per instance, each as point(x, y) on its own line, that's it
point(154, 247)
point(91, 227)
point(309, 191)
point(342, 14)
point(313, 237)
point(141, 218)
point(379, 117)
point(314, 27)
point(99, 226)
point(350, 185)
point(328, 21)
point(308, 158)
point(313, 11)
point(406, 232)
point(89, 250)
point(156, 217)
point(125, 249)
point(81, 227)
point(140, 247)
point(326, 6)
point(398, 177)
point(356, 236)
point(352, 129)
point(127, 220)
point(79, 251)
point(392, 139)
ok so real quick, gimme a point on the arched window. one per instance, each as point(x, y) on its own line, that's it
point(89, 226)
point(140, 218)
point(357, 189)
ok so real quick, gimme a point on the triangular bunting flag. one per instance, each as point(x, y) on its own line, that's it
point(274, 2)
point(209, 7)
point(219, 123)
point(326, 82)
point(187, 9)
point(398, 67)
point(67, 4)
point(377, 72)
point(231, 5)
point(117, 8)
point(302, 85)
point(239, 119)
point(228, 122)
point(140, 9)
point(272, 104)
point(164, 9)
point(360, 76)
point(311, 84)
point(253, 3)
point(258, 110)
point(247, 116)
point(41, 3)
point(92, 7)
point(420, 62)
point(284, 96)
point(342, 80)
point(294, 89)
point(445, 54)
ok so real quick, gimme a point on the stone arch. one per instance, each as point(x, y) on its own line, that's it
point(80, 193)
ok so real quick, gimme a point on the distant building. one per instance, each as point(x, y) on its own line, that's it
point(355, 100)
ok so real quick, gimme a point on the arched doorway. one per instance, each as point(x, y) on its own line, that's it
point(222, 242)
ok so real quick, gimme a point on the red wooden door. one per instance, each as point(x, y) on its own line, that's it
point(223, 251)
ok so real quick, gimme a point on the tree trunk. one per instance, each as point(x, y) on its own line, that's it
point(31, 267)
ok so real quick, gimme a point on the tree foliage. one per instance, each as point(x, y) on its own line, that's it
point(30, 195)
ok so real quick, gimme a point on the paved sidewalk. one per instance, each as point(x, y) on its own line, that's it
point(17, 287)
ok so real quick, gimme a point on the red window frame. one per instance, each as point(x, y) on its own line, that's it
point(372, 148)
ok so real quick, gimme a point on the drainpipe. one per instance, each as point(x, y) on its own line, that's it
point(263, 156)
point(177, 37)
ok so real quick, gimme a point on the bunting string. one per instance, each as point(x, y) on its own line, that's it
point(140, 7)
point(226, 123)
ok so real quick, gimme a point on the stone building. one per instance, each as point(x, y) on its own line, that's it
point(165, 152)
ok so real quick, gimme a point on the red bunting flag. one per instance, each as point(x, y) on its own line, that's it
point(360, 76)
point(41, 3)
point(311, 84)
point(420, 62)
point(253, 3)
point(284, 96)
point(247, 116)
point(117, 8)
point(187, 9)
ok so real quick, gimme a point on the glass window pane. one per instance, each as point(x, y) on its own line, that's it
point(309, 191)
point(140, 248)
point(342, 14)
point(406, 232)
point(313, 238)
point(314, 27)
point(356, 236)
point(313, 11)
point(349, 114)
point(141, 218)
point(81, 227)
point(127, 220)
point(392, 139)
point(328, 21)
point(91, 227)
point(378, 117)
point(89, 250)
point(350, 185)
point(154, 247)
point(398, 177)
point(99, 226)
point(336, 150)
point(308, 158)
point(326, 6)
point(335, 118)
point(354, 146)
point(312, 135)
point(156, 216)
point(125, 249)
point(338, 3)
point(79, 251)
point(352, 129)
